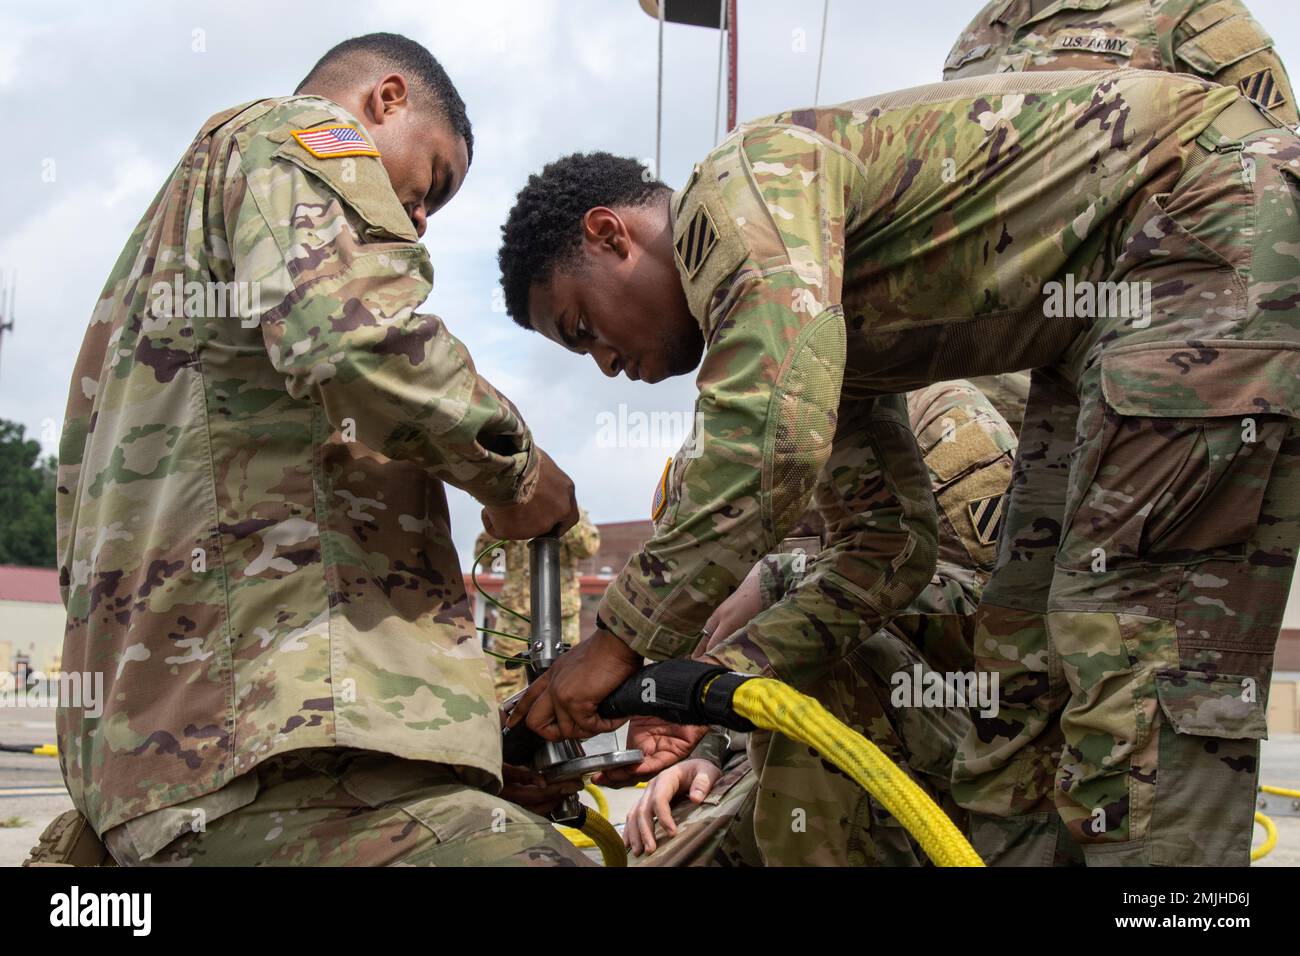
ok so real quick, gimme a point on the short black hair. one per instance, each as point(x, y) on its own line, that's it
point(397, 54)
point(544, 229)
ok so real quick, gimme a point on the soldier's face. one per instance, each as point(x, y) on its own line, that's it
point(621, 301)
point(425, 158)
point(426, 163)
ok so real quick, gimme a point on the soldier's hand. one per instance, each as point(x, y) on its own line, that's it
point(561, 704)
point(661, 744)
point(694, 777)
point(734, 613)
point(551, 509)
point(529, 789)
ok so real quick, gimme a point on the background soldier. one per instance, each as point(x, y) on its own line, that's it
point(253, 533)
point(511, 559)
point(1216, 39)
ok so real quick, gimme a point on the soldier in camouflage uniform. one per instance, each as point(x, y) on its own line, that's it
point(796, 809)
point(254, 541)
point(511, 559)
point(1215, 39)
point(1133, 237)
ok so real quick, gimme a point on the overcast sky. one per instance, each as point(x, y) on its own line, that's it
point(108, 95)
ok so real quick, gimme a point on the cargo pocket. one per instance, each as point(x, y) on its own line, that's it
point(1206, 768)
point(1189, 440)
point(1227, 706)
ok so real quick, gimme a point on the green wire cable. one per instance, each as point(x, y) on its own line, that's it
point(513, 637)
point(473, 576)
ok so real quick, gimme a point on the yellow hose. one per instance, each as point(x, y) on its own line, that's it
point(603, 834)
point(577, 838)
point(771, 705)
point(1270, 828)
point(586, 837)
point(602, 805)
point(1280, 791)
point(1270, 837)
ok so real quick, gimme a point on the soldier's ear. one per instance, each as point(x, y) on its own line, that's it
point(388, 97)
point(604, 227)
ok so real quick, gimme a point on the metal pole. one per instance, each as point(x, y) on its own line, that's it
point(8, 290)
point(659, 97)
point(821, 53)
point(731, 65)
point(717, 94)
point(544, 601)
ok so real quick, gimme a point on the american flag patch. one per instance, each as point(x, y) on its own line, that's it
point(326, 142)
point(661, 493)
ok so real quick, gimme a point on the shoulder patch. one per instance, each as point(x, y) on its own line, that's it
point(1262, 89)
point(334, 142)
point(695, 243)
point(358, 180)
point(707, 245)
point(660, 500)
point(986, 517)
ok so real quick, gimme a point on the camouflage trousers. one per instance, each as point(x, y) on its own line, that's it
point(343, 808)
point(786, 806)
point(1149, 543)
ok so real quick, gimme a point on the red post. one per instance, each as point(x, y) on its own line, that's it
point(731, 65)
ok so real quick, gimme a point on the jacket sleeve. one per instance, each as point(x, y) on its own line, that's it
point(778, 199)
point(339, 320)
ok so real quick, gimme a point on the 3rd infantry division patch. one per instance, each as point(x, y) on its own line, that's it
point(1260, 88)
point(986, 517)
point(694, 245)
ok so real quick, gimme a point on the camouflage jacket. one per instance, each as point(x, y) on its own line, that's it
point(511, 560)
point(835, 254)
point(968, 449)
point(1216, 39)
point(254, 542)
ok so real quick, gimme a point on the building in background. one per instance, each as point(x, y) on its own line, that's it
point(31, 619)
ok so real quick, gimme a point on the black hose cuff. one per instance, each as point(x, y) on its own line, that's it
point(681, 692)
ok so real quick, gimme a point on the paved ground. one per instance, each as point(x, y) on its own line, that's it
point(31, 788)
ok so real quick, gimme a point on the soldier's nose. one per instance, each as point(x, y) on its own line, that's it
point(418, 218)
point(608, 362)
